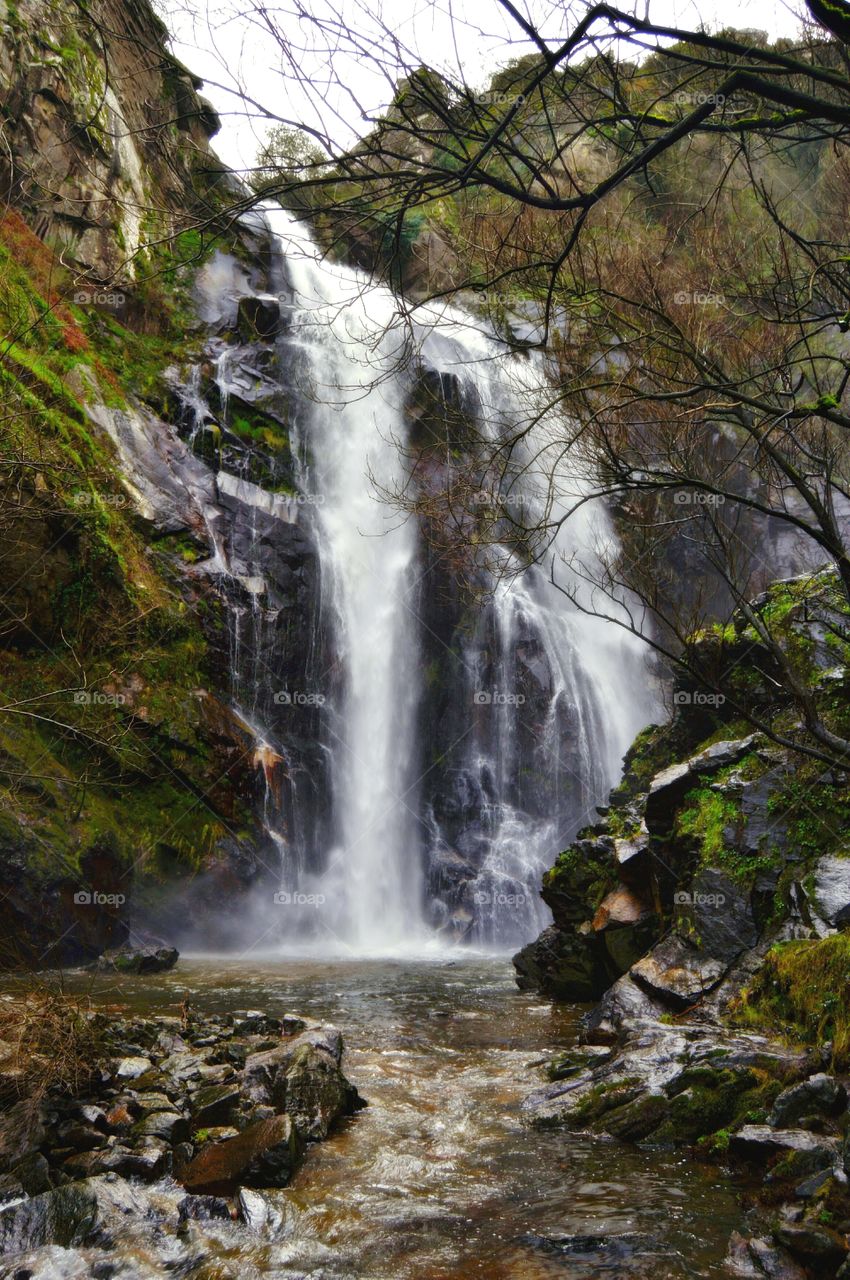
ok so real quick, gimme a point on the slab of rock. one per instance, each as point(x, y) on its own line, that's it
point(316, 1092)
point(759, 1142)
point(832, 891)
point(819, 1095)
point(130, 1068)
point(563, 965)
point(264, 1154)
point(215, 1104)
point(669, 787)
point(622, 906)
point(677, 973)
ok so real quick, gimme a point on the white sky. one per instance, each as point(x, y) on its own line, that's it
point(219, 41)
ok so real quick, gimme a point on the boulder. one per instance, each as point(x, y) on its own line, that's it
point(819, 1095)
point(264, 1154)
point(138, 960)
point(759, 1143)
point(567, 966)
point(758, 1259)
point(203, 1209)
point(831, 894)
point(92, 1211)
point(316, 1092)
point(678, 973)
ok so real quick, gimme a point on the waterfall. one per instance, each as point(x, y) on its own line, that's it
point(422, 764)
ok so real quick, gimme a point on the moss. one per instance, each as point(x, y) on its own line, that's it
point(801, 990)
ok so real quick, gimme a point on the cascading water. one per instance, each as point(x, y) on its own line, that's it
point(410, 821)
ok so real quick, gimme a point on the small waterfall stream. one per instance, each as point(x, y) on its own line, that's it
point(433, 768)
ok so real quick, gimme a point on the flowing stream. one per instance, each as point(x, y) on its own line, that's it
point(437, 1179)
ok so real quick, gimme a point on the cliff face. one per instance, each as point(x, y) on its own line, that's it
point(122, 767)
point(105, 137)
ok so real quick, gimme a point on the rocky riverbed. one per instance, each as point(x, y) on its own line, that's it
point(182, 1126)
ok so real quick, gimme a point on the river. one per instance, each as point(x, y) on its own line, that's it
point(438, 1179)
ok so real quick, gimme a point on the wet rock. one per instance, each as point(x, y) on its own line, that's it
point(815, 1245)
point(819, 1095)
point(814, 1184)
point(204, 1209)
point(131, 1067)
point(33, 1173)
point(214, 1104)
point(257, 1212)
point(316, 1092)
point(759, 1142)
point(831, 895)
point(168, 1125)
point(259, 318)
point(678, 973)
point(79, 1212)
point(138, 960)
point(669, 787)
point(562, 965)
point(624, 1007)
point(145, 1163)
point(632, 858)
point(264, 1154)
point(757, 1259)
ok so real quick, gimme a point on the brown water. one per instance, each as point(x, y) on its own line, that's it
point(438, 1179)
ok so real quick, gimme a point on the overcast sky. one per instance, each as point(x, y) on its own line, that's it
point(227, 42)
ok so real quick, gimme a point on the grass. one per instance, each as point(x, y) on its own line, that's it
point(802, 991)
point(52, 1043)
